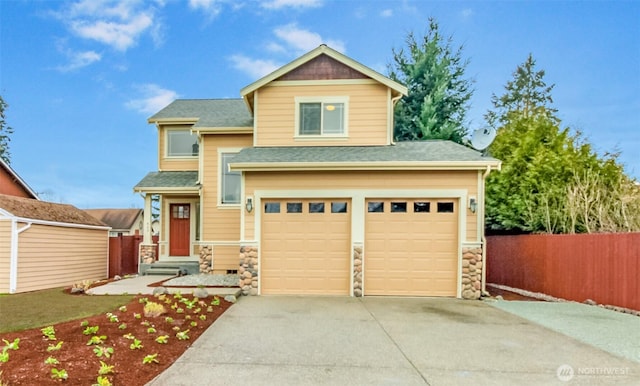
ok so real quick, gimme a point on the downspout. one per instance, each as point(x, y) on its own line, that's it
point(13, 265)
point(484, 239)
point(394, 100)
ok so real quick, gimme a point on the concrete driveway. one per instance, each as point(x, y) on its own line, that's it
point(387, 341)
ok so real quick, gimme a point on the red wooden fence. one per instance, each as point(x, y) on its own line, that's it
point(601, 267)
point(123, 254)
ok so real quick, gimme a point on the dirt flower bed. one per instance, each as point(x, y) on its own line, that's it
point(122, 347)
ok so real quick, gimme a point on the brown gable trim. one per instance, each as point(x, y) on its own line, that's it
point(323, 67)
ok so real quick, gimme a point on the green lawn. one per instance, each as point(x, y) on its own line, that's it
point(41, 308)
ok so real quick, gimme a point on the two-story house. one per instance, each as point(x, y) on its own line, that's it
point(299, 188)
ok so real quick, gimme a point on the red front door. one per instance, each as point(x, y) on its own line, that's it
point(179, 226)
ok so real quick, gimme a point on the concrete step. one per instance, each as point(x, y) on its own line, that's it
point(162, 271)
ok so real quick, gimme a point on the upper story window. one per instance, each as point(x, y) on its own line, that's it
point(229, 181)
point(321, 116)
point(182, 143)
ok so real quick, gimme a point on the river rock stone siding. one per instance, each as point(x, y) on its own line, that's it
point(147, 253)
point(206, 259)
point(357, 270)
point(248, 270)
point(472, 266)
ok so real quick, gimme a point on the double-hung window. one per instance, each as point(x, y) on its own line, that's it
point(182, 143)
point(229, 181)
point(322, 116)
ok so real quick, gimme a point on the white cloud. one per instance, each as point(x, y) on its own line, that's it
point(303, 40)
point(466, 13)
point(77, 59)
point(387, 13)
point(153, 98)
point(256, 68)
point(279, 4)
point(115, 23)
point(210, 7)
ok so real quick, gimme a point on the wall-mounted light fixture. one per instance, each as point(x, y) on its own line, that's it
point(473, 204)
point(249, 204)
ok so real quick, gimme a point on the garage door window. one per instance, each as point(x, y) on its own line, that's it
point(421, 207)
point(375, 207)
point(294, 207)
point(316, 207)
point(272, 207)
point(445, 207)
point(398, 207)
point(338, 207)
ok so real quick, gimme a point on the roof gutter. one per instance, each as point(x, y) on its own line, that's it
point(340, 166)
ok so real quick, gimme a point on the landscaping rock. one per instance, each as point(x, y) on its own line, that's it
point(230, 298)
point(200, 293)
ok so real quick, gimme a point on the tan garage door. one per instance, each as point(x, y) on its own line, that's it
point(305, 246)
point(411, 247)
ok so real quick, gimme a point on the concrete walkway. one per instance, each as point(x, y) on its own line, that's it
point(387, 341)
point(140, 285)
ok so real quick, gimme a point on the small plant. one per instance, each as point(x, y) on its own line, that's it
point(180, 310)
point(4, 356)
point(176, 328)
point(177, 295)
point(151, 330)
point(162, 297)
point(49, 332)
point(122, 326)
point(122, 309)
point(183, 335)
point(105, 369)
point(54, 347)
point(187, 317)
point(51, 361)
point(95, 340)
point(137, 315)
point(209, 309)
point(193, 324)
point(145, 323)
point(112, 318)
point(215, 301)
point(136, 345)
point(101, 351)
point(11, 345)
point(162, 339)
point(151, 358)
point(59, 374)
point(102, 381)
point(81, 287)
point(203, 317)
point(153, 309)
point(169, 320)
point(174, 306)
point(90, 330)
point(84, 323)
point(197, 310)
point(143, 300)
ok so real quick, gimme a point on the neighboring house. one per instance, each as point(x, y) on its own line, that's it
point(299, 188)
point(12, 184)
point(46, 245)
point(123, 222)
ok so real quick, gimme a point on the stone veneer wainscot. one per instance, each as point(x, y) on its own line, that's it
point(472, 273)
point(248, 270)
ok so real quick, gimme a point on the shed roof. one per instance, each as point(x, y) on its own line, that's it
point(419, 154)
point(116, 218)
point(206, 113)
point(29, 208)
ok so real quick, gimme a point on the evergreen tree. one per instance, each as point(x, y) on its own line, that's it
point(438, 92)
point(5, 134)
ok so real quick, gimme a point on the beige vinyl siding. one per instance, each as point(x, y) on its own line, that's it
point(220, 222)
point(173, 164)
point(53, 256)
point(364, 180)
point(5, 255)
point(368, 105)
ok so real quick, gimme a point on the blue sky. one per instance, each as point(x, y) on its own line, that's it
point(82, 77)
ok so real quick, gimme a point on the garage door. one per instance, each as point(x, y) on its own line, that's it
point(305, 246)
point(411, 247)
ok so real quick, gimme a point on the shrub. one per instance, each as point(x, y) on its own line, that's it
point(153, 309)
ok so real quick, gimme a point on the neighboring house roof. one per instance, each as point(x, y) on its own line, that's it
point(117, 219)
point(17, 179)
point(30, 209)
point(247, 92)
point(206, 113)
point(169, 181)
point(434, 154)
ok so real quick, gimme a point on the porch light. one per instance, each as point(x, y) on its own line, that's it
point(473, 204)
point(249, 204)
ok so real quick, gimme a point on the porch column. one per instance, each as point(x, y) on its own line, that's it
point(146, 222)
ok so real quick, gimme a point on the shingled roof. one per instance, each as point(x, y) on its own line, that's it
point(117, 219)
point(28, 208)
point(207, 113)
point(169, 179)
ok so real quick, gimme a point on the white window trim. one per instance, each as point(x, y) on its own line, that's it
point(166, 145)
point(322, 99)
point(221, 151)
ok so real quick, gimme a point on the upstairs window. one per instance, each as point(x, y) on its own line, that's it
point(182, 143)
point(230, 181)
point(321, 117)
